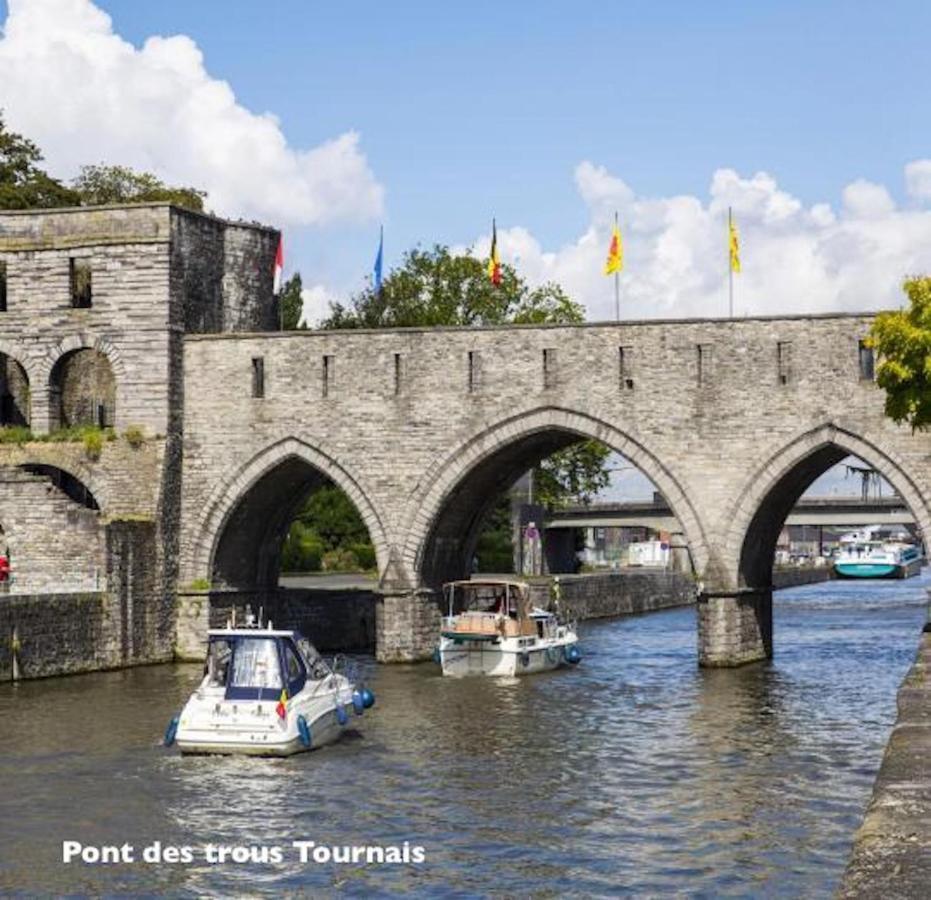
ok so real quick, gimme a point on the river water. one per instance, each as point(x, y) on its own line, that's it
point(636, 773)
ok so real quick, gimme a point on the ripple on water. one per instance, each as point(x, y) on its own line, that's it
point(635, 772)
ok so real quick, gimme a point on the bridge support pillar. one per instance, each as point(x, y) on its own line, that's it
point(407, 625)
point(735, 627)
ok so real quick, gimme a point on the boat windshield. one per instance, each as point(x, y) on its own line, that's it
point(503, 599)
point(316, 667)
point(255, 664)
point(219, 654)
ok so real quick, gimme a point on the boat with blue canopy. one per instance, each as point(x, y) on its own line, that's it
point(267, 692)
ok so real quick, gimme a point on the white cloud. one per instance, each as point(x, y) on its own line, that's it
point(795, 259)
point(316, 301)
point(918, 179)
point(85, 95)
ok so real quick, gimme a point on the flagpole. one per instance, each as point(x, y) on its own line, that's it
point(730, 266)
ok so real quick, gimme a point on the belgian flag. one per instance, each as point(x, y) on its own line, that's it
point(494, 262)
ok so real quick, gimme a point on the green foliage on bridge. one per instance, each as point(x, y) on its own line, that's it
point(902, 340)
point(434, 288)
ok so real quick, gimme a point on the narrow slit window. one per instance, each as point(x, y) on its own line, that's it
point(867, 362)
point(704, 363)
point(329, 370)
point(549, 368)
point(398, 363)
point(258, 376)
point(784, 361)
point(81, 286)
point(625, 368)
point(2, 286)
point(473, 371)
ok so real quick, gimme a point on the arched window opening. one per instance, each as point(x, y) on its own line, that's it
point(82, 390)
point(14, 394)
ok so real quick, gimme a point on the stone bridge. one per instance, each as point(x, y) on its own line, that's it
point(422, 428)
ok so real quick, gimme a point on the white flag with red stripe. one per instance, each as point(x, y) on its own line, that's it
point(279, 264)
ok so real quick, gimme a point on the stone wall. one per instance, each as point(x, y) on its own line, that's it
point(54, 544)
point(892, 850)
point(56, 633)
point(624, 593)
point(342, 620)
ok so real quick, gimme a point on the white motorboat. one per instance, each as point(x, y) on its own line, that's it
point(266, 692)
point(492, 628)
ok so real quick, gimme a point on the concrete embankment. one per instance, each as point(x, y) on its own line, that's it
point(797, 576)
point(892, 849)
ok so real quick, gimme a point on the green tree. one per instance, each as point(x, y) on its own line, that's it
point(902, 340)
point(292, 304)
point(334, 518)
point(573, 475)
point(23, 184)
point(435, 288)
point(102, 184)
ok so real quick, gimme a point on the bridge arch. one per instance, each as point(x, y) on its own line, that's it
point(240, 533)
point(443, 519)
point(761, 508)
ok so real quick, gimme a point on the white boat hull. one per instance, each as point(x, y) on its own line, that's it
point(507, 657)
point(212, 725)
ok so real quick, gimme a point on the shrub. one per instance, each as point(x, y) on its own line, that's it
point(199, 584)
point(365, 555)
point(340, 561)
point(135, 436)
point(15, 434)
point(302, 551)
point(93, 443)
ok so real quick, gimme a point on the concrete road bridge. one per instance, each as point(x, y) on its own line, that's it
point(171, 336)
point(840, 512)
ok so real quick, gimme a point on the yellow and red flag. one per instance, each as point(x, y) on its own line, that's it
point(282, 707)
point(733, 244)
point(494, 263)
point(615, 260)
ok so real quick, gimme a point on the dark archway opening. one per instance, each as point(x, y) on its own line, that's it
point(492, 516)
point(73, 487)
point(82, 390)
point(847, 488)
point(14, 394)
point(295, 522)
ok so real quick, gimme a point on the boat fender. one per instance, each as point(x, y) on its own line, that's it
point(341, 716)
point(573, 654)
point(436, 655)
point(170, 732)
point(368, 698)
point(358, 704)
point(525, 659)
point(303, 730)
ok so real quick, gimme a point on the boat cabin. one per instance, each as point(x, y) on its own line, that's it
point(485, 610)
point(252, 664)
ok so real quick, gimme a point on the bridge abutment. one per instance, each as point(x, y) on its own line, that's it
point(407, 625)
point(734, 627)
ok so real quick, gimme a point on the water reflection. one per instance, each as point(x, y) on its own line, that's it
point(636, 772)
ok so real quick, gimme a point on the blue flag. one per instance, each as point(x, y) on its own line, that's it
point(378, 258)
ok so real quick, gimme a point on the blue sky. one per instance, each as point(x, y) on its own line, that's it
point(809, 119)
point(488, 111)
